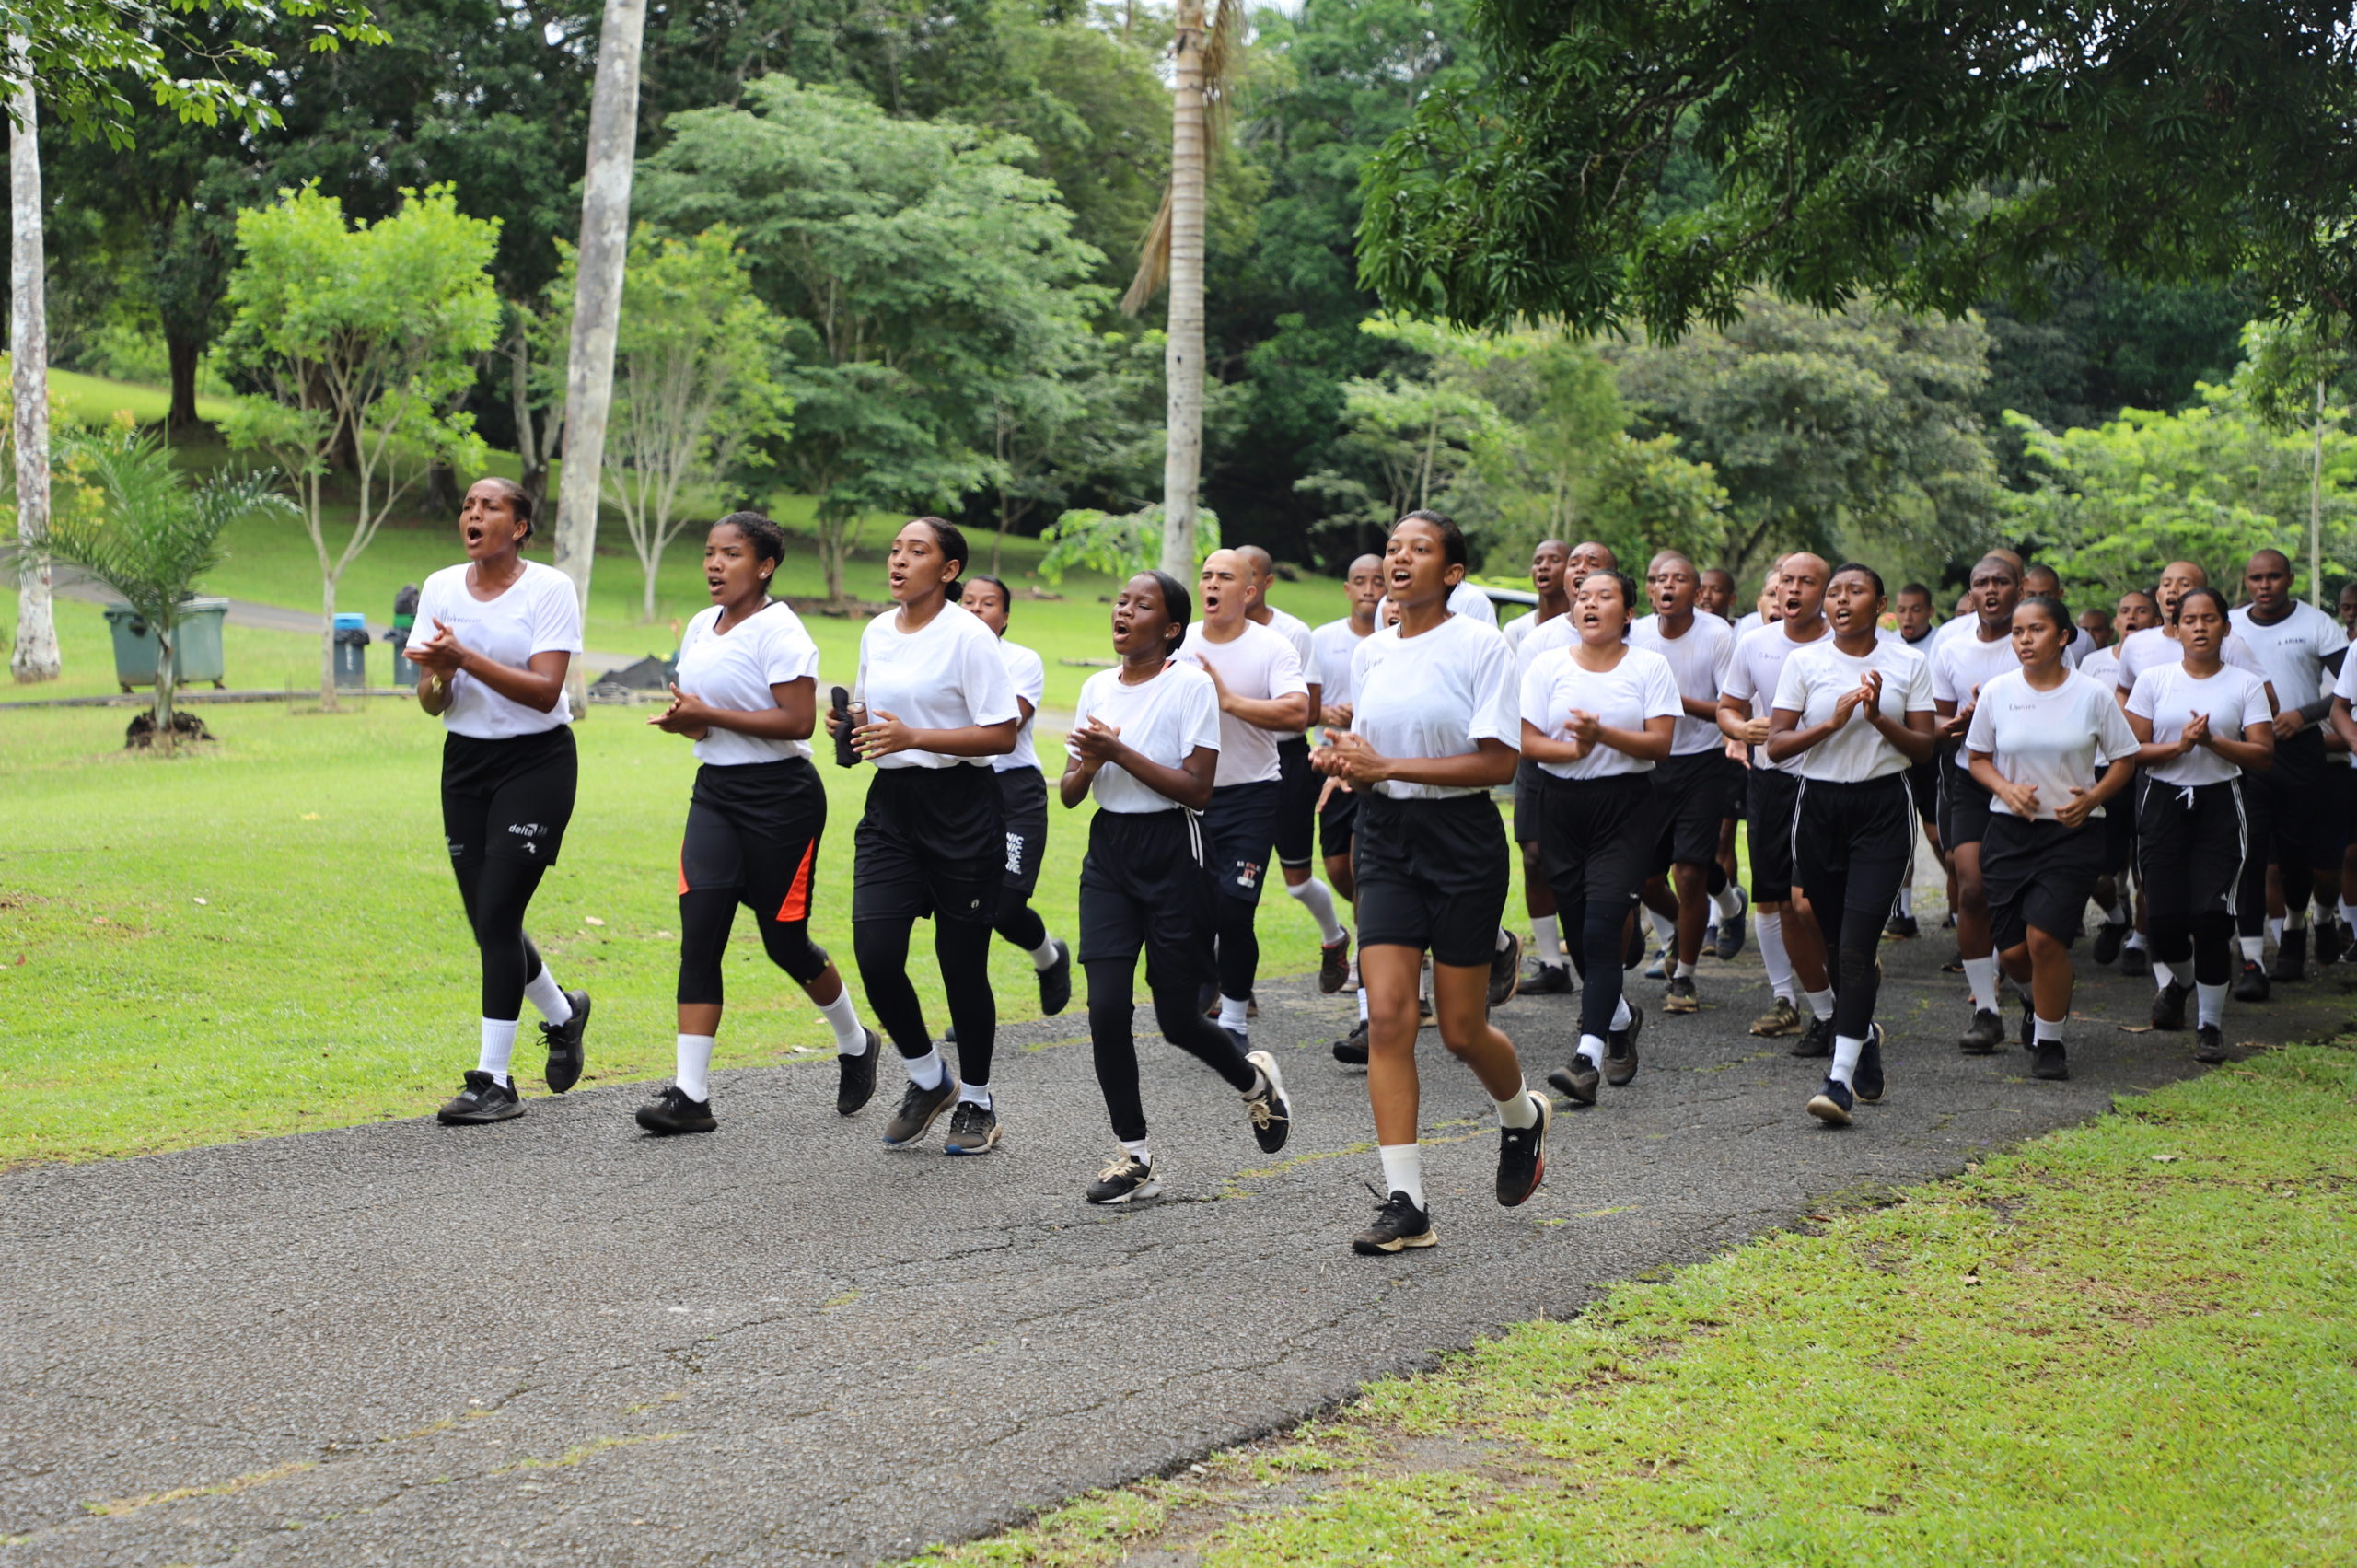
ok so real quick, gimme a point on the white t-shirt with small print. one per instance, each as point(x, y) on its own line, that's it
point(2293, 650)
point(1256, 664)
point(1642, 685)
point(1812, 683)
point(2057, 740)
point(1753, 671)
point(2154, 648)
point(1164, 719)
point(1440, 695)
point(537, 614)
point(1699, 660)
point(948, 676)
point(1962, 665)
point(735, 669)
point(2170, 696)
point(1028, 675)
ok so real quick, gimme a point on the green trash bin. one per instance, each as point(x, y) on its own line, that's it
point(196, 658)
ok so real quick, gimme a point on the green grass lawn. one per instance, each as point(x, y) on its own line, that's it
point(2129, 1343)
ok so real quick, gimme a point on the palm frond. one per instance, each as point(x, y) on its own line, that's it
point(1223, 54)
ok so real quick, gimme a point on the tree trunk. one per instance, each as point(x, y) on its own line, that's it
point(160, 712)
point(529, 452)
point(597, 299)
point(35, 656)
point(647, 607)
point(2316, 509)
point(326, 643)
point(184, 355)
point(1182, 360)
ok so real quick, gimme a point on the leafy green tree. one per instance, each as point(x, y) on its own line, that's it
point(363, 338)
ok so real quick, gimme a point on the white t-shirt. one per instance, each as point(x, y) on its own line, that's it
point(1699, 660)
point(1812, 683)
point(2292, 651)
point(1297, 630)
point(1335, 643)
point(537, 614)
point(948, 676)
point(1642, 685)
point(2057, 740)
point(1753, 672)
point(1029, 676)
point(1164, 719)
point(1471, 602)
point(2170, 696)
point(1437, 695)
point(1750, 622)
point(1517, 632)
point(2153, 647)
point(2103, 665)
point(1256, 664)
point(1962, 665)
point(735, 669)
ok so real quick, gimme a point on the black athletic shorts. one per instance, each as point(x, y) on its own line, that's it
point(1924, 789)
point(1690, 798)
point(2340, 790)
point(1738, 788)
point(1768, 828)
point(2120, 833)
point(1528, 779)
point(756, 828)
point(1144, 885)
point(508, 799)
point(2190, 844)
point(932, 841)
point(1239, 830)
point(1433, 876)
point(1596, 837)
point(1964, 805)
point(1337, 820)
point(2303, 829)
point(1023, 804)
point(2041, 874)
point(1298, 787)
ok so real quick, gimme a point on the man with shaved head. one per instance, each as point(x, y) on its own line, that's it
point(2302, 649)
point(1336, 644)
point(1961, 665)
point(1717, 594)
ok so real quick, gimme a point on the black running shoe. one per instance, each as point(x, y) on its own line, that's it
point(1621, 1049)
point(566, 1056)
point(1127, 1179)
point(2251, 984)
point(918, 1109)
point(1055, 981)
point(1522, 1155)
point(1577, 1081)
point(484, 1098)
point(2209, 1044)
point(973, 1129)
point(2048, 1059)
point(1350, 1049)
point(672, 1112)
point(1815, 1040)
point(855, 1077)
point(2332, 940)
point(1505, 971)
point(2168, 1005)
point(1334, 965)
point(1832, 1104)
point(1902, 927)
point(1543, 979)
point(1731, 928)
point(1986, 1032)
point(1399, 1225)
point(1268, 1105)
point(2291, 956)
point(2029, 1024)
point(1681, 996)
point(2109, 935)
point(2134, 958)
point(1866, 1079)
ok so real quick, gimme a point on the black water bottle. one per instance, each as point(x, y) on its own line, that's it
point(847, 719)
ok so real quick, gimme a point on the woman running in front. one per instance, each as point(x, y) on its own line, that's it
point(1433, 732)
point(1145, 741)
point(2204, 725)
point(747, 694)
point(1857, 710)
point(932, 707)
point(1022, 800)
point(2053, 750)
point(1597, 717)
point(492, 669)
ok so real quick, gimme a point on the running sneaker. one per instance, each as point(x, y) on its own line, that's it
point(1543, 979)
point(1055, 981)
point(1334, 965)
point(1522, 1155)
point(2135, 959)
point(672, 1112)
point(566, 1056)
point(1505, 971)
point(1730, 940)
point(2332, 940)
point(856, 1077)
point(484, 1098)
point(1621, 1049)
point(1268, 1105)
point(1126, 1180)
point(2168, 1005)
point(1578, 1081)
point(2109, 935)
point(1350, 1049)
point(973, 1129)
point(1902, 927)
point(1681, 996)
point(1985, 1033)
point(2291, 956)
point(1832, 1104)
point(2049, 1060)
point(1399, 1225)
point(1817, 1040)
point(1659, 967)
point(1778, 1021)
point(2251, 984)
point(2209, 1044)
point(918, 1109)
point(1866, 1080)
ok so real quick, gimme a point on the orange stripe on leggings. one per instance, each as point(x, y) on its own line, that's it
point(683, 868)
point(797, 897)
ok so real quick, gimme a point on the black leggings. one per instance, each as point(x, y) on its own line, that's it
point(1239, 949)
point(1019, 923)
point(2209, 938)
point(705, 915)
point(1599, 928)
point(963, 950)
point(1854, 844)
point(496, 893)
point(1111, 1007)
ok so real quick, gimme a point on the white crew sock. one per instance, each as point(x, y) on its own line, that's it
point(694, 1072)
point(1769, 929)
point(1403, 1170)
point(2116, 914)
point(2347, 914)
point(1362, 1004)
point(547, 997)
point(1138, 1151)
point(1726, 903)
point(2046, 1028)
point(2210, 1004)
point(1906, 901)
point(1683, 972)
point(498, 1045)
point(925, 1071)
point(2254, 948)
point(1981, 975)
point(2296, 921)
point(1822, 1003)
point(1664, 928)
point(850, 1036)
point(1232, 1013)
point(1043, 957)
point(1518, 1110)
point(2177, 974)
point(1592, 1049)
point(1846, 1052)
point(2135, 944)
point(1504, 940)
point(2275, 932)
point(975, 1094)
point(1546, 936)
point(1621, 1012)
point(1319, 900)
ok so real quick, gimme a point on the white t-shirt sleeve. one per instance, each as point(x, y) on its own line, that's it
point(2256, 707)
point(1284, 669)
point(1982, 733)
point(1943, 678)
point(1916, 687)
point(1736, 684)
point(1792, 687)
point(556, 616)
point(786, 657)
point(1081, 709)
point(2114, 740)
point(1199, 719)
point(1497, 713)
point(981, 675)
point(1531, 701)
point(1661, 700)
point(2140, 701)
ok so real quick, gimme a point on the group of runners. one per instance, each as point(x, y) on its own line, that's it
point(2169, 761)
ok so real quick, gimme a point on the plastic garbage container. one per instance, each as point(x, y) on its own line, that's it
point(404, 619)
point(196, 655)
point(351, 653)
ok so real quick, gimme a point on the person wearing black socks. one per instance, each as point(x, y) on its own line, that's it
point(503, 631)
point(1145, 741)
point(1023, 799)
point(932, 708)
point(747, 694)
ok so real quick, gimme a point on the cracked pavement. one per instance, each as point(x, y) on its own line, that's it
point(558, 1341)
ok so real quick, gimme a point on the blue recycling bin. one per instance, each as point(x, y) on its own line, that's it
point(351, 652)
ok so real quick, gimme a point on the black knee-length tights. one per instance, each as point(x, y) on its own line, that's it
point(496, 893)
point(1112, 1006)
point(705, 915)
point(963, 950)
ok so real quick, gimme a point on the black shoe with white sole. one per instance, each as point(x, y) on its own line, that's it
point(484, 1098)
point(1268, 1105)
point(855, 1077)
point(672, 1112)
point(1522, 1155)
point(1127, 1179)
point(1399, 1225)
point(566, 1055)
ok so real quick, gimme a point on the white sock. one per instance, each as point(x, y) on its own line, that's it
point(1505, 941)
point(1683, 972)
point(1664, 928)
point(1403, 1170)
point(1362, 1004)
point(1726, 903)
point(975, 1094)
point(2116, 914)
point(2135, 943)
point(850, 1037)
point(694, 1072)
point(925, 1071)
point(1769, 929)
point(2275, 932)
point(1592, 1049)
point(1822, 1003)
point(1043, 957)
point(2254, 947)
point(1138, 1151)
point(1981, 975)
point(1518, 1110)
point(1621, 1012)
point(498, 1045)
point(2046, 1028)
point(1232, 1013)
point(2210, 1004)
point(1546, 936)
point(1846, 1052)
point(2179, 973)
point(1424, 982)
point(2347, 914)
point(1906, 901)
point(2296, 921)
point(547, 997)
point(1319, 900)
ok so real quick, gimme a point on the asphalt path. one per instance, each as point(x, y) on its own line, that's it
point(556, 1341)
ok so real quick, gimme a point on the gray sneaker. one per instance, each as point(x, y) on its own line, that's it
point(918, 1109)
point(973, 1129)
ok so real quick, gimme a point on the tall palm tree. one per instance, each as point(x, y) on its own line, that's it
point(35, 656)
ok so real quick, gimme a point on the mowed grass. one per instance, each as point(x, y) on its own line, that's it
point(2129, 1343)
